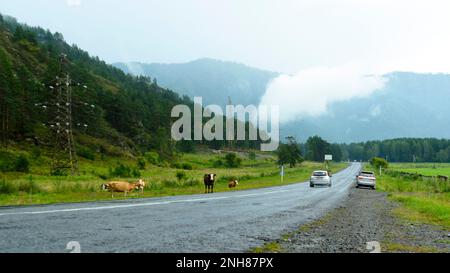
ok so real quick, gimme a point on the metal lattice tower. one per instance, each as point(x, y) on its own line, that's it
point(60, 121)
point(63, 125)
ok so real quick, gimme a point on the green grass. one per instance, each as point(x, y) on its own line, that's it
point(403, 248)
point(425, 208)
point(428, 169)
point(272, 247)
point(423, 200)
point(38, 187)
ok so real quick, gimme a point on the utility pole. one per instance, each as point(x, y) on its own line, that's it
point(230, 142)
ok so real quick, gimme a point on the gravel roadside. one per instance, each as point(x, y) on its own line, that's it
point(366, 216)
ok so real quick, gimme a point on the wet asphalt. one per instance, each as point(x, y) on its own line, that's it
point(226, 222)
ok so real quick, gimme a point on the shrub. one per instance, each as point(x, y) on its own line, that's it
point(141, 163)
point(135, 173)
point(187, 166)
point(252, 155)
point(378, 162)
point(36, 152)
point(122, 170)
point(152, 158)
point(86, 153)
point(182, 166)
point(218, 163)
point(180, 175)
point(7, 187)
point(21, 164)
point(58, 172)
point(6, 161)
point(176, 165)
point(103, 176)
point(232, 161)
point(186, 146)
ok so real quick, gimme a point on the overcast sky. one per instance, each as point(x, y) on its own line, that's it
point(280, 35)
point(328, 50)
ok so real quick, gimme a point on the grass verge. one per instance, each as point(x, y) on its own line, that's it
point(422, 200)
point(272, 247)
point(39, 188)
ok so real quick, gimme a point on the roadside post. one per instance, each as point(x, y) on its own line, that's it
point(328, 158)
point(282, 173)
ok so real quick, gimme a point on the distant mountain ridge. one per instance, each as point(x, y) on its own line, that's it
point(410, 104)
point(211, 79)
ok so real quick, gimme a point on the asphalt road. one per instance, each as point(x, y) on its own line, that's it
point(220, 222)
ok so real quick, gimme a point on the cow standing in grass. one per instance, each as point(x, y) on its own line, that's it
point(233, 184)
point(209, 180)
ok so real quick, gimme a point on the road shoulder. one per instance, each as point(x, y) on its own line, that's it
point(365, 216)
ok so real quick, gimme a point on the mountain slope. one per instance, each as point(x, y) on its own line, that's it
point(211, 79)
point(410, 105)
point(130, 113)
point(126, 115)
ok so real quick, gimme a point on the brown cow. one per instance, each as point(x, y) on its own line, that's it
point(125, 187)
point(233, 184)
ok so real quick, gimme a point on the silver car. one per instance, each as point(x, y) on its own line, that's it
point(366, 179)
point(320, 178)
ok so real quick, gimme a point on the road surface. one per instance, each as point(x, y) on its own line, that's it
point(220, 222)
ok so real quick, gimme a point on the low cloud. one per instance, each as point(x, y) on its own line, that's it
point(310, 92)
point(73, 3)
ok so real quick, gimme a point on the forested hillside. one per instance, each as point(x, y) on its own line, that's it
point(130, 114)
point(130, 111)
point(213, 80)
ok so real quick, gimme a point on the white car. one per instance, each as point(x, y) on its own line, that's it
point(366, 179)
point(320, 178)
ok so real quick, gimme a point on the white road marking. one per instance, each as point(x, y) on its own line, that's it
point(140, 204)
point(155, 203)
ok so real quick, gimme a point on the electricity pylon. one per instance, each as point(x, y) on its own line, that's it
point(60, 121)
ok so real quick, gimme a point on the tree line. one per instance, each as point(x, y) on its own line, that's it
point(392, 150)
point(399, 150)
